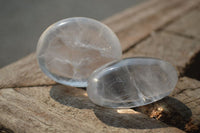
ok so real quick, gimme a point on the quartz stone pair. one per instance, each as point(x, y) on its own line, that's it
point(83, 52)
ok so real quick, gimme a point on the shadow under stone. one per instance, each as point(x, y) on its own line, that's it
point(5, 130)
point(70, 96)
point(168, 110)
point(123, 118)
point(127, 118)
point(192, 70)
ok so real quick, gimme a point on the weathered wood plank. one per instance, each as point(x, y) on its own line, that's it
point(181, 109)
point(66, 109)
point(187, 25)
point(175, 49)
point(134, 24)
point(24, 72)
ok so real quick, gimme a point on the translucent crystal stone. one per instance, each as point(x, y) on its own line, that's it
point(131, 82)
point(71, 49)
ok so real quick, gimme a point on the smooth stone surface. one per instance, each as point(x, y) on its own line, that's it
point(131, 82)
point(71, 49)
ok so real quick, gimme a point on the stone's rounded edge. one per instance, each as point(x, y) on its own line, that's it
point(47, 31)
point(68, 82)
point(133, 103)
point(175, 74)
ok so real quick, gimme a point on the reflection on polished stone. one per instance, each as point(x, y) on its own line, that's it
point(131, 82)
point(71, 49)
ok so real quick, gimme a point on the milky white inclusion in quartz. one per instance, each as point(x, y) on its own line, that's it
point(71, 49)
point(131, 82)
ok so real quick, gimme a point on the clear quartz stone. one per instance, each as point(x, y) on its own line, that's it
point(131, 82)
point(71, 49)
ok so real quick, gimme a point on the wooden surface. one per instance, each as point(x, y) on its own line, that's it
point(30, 102)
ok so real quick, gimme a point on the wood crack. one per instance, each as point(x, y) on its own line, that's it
point(135, 44)
point(186, 89)
point(30, 86)
point(193, 100)
point(181, 34)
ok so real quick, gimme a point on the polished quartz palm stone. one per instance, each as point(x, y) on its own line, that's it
point(131, 82)
point(71, 49)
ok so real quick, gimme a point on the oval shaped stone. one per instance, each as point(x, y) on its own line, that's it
point(131, 82)
point(71, 49)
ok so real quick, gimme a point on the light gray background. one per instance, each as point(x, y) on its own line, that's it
point(23, 21)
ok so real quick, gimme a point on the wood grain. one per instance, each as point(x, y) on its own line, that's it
point(134, 24)
point(188, 25)
point(24, 72)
